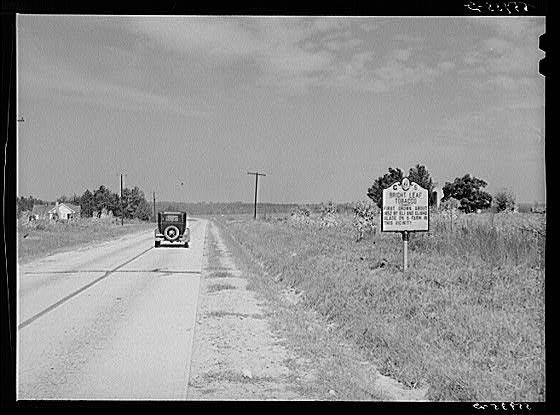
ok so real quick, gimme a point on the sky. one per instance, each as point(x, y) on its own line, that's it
point(186, 106)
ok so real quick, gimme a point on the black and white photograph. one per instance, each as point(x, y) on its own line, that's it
point(230, 207)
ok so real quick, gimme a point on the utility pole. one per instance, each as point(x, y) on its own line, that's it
point(122, 210)
point(154, 195)
point(257, 174)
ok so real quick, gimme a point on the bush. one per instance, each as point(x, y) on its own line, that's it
point(328, 214)
point(365, 218)
point(300, 214)
point(504, 201)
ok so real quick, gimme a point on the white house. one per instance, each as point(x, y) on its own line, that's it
point(64, 211)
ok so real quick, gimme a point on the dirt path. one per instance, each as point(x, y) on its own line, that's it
point(235, 354)
point(254, 344)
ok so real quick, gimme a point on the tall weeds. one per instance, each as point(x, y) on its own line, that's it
point(467, 319)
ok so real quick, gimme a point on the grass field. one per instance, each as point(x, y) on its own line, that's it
point(43, 237)
point(466, 319)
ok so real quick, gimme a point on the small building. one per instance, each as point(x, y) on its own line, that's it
point(65, 211)
point(57, 211)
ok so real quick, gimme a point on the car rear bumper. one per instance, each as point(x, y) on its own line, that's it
point(186, 237)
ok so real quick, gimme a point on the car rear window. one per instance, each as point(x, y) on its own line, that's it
point(172, 218)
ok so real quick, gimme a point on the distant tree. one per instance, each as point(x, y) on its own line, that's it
point(174, 207)
point(114, 204)
point(375, 192)
point(468, 191)
point(143, 210)
point(103, 199)
point(504, 200)
point(21, 205)
point(75, 199)
point(25, 204)
point(420, 175)
point(87, 204)
point(135, 204)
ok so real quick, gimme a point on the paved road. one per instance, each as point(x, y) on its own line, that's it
point(112, 321)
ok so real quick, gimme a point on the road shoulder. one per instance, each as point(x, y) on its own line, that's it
point(235, 354)
point(255, 341)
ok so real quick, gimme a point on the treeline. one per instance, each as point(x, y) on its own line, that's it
point(466, 192)
point(224, 208)
point(242, 208)
point(133, 204)
point(25, 204)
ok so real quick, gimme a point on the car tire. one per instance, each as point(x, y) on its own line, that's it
point(156, 245)
point(186, 244)
point(174, 233)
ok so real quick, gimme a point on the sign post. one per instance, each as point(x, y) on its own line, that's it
point(405, 250)
point(405, 209)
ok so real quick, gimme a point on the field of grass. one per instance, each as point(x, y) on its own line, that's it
point(43, 237)
point(466, 319)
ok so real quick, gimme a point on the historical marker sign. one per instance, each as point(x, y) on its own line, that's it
point(405, 208)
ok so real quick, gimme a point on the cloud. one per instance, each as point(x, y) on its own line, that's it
point(510, 83)
point(499, 127)
point(216, 37)
point(292, 53)
point(340, 45)
point(281, 48)
point(367, 72)
point(510, 55)
point(515, 28)
point(78, 87)
point(445, 66)
point(409, 39)
point(401, 54)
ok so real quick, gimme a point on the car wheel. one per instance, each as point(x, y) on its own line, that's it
point(171, 233)
point(186, 244)
point(156, 245)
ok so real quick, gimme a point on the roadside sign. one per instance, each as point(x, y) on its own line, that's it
point(405, 208)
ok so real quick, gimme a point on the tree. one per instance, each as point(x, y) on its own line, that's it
point(375, 192)
point(87, 204)
point(143, 210)
point(75, 199)
point(24, 204)
point(104, 199)
point(135, 204)
point(468, 191)
point(420, 175)
point(172, 207)
point(504, 200)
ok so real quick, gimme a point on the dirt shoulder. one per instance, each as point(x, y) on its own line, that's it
point(235, 354)
point(256, 343)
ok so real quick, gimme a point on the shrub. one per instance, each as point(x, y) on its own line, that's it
point(504, 201)
point(328, 214)
point(365, 218)
point(300, 214)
